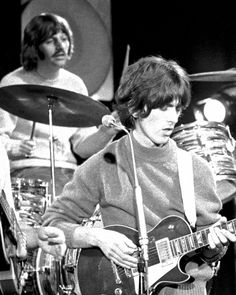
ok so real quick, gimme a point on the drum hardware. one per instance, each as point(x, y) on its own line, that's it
point(31, 199)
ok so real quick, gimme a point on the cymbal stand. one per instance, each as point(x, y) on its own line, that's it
point(51, 100)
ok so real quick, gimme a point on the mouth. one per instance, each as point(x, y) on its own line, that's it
point(168, 131)
point(59, 54)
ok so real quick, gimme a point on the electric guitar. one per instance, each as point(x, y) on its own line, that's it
point(169, 242)
point(11, 239)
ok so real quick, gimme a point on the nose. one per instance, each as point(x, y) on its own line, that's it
point(58, 44)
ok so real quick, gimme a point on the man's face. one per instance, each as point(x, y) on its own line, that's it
point(158, 126)
point(56, 49)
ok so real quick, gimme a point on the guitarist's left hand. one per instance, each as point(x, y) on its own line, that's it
point(219, 239)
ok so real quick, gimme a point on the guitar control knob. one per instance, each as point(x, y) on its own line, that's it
point(118, 291)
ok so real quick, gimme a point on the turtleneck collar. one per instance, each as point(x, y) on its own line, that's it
point(156, 153)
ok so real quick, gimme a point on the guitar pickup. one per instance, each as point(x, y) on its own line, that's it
point(164, 251)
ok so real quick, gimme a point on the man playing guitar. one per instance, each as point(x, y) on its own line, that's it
point(152, 94)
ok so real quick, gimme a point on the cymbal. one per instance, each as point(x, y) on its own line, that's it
point(69, 108)
point(216, 76)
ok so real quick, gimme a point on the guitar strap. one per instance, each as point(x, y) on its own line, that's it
point(185, 168)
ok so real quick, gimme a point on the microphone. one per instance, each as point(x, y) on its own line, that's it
point(110, 121)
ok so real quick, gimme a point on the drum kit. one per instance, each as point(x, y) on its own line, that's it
point(53, 106)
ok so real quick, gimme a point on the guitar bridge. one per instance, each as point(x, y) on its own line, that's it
point(115, 271)
point(164, 251)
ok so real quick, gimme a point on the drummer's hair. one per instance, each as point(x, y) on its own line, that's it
point(151, 82)
point(39, 29)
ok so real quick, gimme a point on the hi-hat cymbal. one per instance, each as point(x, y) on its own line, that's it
point(216, 76)
point(70, 109)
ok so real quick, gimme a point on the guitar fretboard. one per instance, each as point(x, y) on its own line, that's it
point(197, 240)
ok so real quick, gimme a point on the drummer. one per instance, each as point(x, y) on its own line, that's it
point(47, 47)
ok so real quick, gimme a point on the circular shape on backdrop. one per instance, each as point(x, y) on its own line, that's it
point(92, 55)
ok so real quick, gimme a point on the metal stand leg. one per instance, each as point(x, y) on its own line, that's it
point(51, 100)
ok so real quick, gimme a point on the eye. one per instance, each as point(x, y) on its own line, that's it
point(48, 41)
point(164, 108)
point(64, 38)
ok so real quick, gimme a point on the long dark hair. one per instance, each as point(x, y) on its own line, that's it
point(39, 29)
point(151, 82)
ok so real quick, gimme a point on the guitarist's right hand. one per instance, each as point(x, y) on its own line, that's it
point(118, 248)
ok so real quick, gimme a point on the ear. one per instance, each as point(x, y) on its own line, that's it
point(135, 115)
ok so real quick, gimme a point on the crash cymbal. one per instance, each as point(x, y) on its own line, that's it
point(70, 109)
point(216, 76)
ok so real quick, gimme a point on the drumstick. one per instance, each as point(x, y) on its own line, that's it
point(126, 62)
point(32, 131)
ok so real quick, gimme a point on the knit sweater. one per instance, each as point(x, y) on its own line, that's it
point(107, 178)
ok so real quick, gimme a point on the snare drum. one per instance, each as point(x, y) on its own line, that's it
point(57, 277)
point(48, 276)
point(213, 142)
point(30, 198)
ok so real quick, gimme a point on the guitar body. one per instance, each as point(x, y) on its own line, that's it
point(89, 272)
point(97, 275)
point(11, 267)
point(4, 260)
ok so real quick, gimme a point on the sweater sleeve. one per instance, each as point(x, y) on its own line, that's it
point(77, 201)
point(208, 203)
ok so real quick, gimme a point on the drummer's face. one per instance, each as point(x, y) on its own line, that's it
point(156, 129)
point(56, 49)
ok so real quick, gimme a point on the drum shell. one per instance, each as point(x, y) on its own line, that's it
point(30, 199)
point(213, 142)
point(49, 274)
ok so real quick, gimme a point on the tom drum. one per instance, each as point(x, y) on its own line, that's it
point(213, 142)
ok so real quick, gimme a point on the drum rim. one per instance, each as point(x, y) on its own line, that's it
point(205, 124)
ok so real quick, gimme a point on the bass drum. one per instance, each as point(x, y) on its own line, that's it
point(213, 142)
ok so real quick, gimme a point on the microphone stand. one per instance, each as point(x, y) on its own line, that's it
point(143, 238)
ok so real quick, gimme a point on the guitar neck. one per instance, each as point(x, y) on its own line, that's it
point(197, 240)
point(9, 214)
